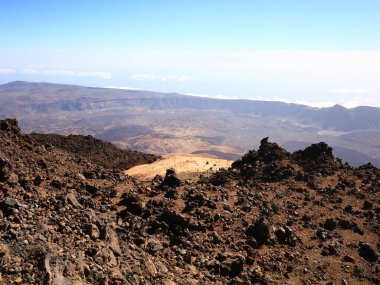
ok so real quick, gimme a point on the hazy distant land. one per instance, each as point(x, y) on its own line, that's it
point(170, 123)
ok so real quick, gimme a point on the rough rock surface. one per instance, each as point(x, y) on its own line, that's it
point(270, 219)
point(96, 151)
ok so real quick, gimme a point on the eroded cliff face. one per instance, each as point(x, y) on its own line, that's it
point(273, 218)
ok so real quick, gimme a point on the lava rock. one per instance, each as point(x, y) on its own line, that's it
point(330, 224)
point(330, 249)
point(5, 168)
point(92, 230)
point(232, 266)
point(367, 252)
point(9, 125)
point(260, 230)
point(132, 203)
point(285, 235)
point(171, 179)
point(174, 218)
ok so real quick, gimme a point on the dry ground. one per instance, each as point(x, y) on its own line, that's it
point(186, 166)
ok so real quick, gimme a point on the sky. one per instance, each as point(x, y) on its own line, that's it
point(314, 52)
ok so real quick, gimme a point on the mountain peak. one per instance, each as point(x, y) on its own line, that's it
point(337, 106)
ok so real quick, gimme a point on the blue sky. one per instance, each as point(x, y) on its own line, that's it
point(316, 52)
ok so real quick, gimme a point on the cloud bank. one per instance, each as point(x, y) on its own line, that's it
point(153, 77)
point(57, 72)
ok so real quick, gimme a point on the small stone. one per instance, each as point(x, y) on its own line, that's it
point(151, 268)
point(13, 203)
point(56, 183)
point(113, 241)
point(153, 246)
point(13, 178)
point(232, 267)
point(92, 230)
point(73, 200)
point(348, 258)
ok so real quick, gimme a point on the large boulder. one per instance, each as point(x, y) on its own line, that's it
point(171, 179)
point(320, 151)
point(318, 158)
point(268, 152)
point(261, 230)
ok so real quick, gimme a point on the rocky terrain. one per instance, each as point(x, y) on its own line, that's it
point(273, 217)
point(101, 153)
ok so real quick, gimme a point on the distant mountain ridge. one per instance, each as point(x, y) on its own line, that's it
point(171, 122)
point(78, 98)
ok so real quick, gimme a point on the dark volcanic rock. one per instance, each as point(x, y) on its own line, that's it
point(268, 152)
point(285, 235)
point(232, 266)
point(260, 230)
point(5, 169)
point(367, 252)
point(318, 158)
point(320, 151)
point(9, 125)
point(330, 224)
point(98, 152)
point(171, 179)
point(221, 177)
point(174, 218)
point(132, 203)
point(330, 249)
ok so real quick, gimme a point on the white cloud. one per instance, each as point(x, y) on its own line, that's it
point(212, 96)
point(276, 99)
point(143, 76)
point(225, 97)
point(153, 77)
point(179, 78)
point(197, 94)
point(7, 71)
point(322, 104)
point(74, 73)
point(361, 101)
point(313, 77)
point(29, 71)
point(349, 91)
point(122, 87)
point(66, 72)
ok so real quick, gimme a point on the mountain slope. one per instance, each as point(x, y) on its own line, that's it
point(273, 218)
point(97, 151)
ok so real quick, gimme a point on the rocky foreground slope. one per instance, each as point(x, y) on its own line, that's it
point(96, 151)
point(272, 218)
